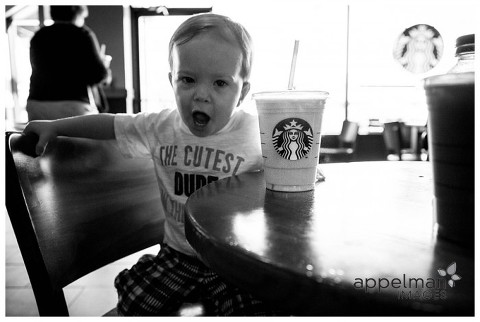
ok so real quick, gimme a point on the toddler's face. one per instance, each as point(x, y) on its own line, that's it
point(206, 81)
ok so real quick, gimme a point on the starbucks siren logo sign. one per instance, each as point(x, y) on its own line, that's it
point(292, 138)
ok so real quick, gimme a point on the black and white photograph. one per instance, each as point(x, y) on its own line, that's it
point(225, 158)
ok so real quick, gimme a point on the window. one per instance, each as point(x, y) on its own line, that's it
point(18, 69)
point(378, 87)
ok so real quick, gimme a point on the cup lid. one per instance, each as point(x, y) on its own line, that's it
point(450, 79)
point(291, 94)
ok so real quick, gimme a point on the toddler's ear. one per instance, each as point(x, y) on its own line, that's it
point(170, 78)
point(245, 90)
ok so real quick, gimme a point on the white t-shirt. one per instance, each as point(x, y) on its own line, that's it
point(185, 162)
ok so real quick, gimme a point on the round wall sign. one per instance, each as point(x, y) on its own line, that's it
point(419, 48)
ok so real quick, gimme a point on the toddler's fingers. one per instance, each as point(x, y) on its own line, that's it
point(40, 147)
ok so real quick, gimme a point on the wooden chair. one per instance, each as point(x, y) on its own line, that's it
point(346, 145)
point(424, 145)
point(396, 147)
point(76, 208)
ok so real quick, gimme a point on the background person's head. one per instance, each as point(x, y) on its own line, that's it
point(72, 14)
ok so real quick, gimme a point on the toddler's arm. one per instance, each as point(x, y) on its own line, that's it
point(97, 126)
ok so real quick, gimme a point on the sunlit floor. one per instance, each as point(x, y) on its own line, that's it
point(92, 295)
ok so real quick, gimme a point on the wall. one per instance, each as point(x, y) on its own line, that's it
point(107, 23)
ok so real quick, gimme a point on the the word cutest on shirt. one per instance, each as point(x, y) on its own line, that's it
point(197, 157)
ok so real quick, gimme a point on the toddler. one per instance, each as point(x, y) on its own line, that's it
point(205, 138)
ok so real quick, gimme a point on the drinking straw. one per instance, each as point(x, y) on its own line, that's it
point(294, 63)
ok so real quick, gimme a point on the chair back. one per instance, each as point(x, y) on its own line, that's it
point(392, 136)
point(348, 135)
point(76, 208)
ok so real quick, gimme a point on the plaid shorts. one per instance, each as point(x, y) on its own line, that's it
point(158, 285)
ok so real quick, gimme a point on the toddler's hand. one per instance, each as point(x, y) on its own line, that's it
point(45, 131)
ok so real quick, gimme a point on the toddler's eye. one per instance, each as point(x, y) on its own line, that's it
point(221, 83)
point(187, 80)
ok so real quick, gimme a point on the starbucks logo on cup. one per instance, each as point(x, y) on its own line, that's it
point(292, 138)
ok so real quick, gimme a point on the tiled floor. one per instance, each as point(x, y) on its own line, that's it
point(92, 295)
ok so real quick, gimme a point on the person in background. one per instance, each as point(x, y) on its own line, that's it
point(205, 138)
point(66, 64)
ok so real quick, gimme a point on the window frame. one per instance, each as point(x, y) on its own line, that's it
point(136, 13)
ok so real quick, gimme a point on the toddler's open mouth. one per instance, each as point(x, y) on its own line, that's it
point(200, 119)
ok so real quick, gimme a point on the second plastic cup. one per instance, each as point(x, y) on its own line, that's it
point(290, 132)
point(451, 126)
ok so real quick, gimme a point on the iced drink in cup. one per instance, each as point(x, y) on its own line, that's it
point(290, 132)
point(451, 135)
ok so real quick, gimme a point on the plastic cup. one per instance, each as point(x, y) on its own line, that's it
point(290, 132)
point(451, 134)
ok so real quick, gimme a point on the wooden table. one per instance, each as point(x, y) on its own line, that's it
point(361, 243)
